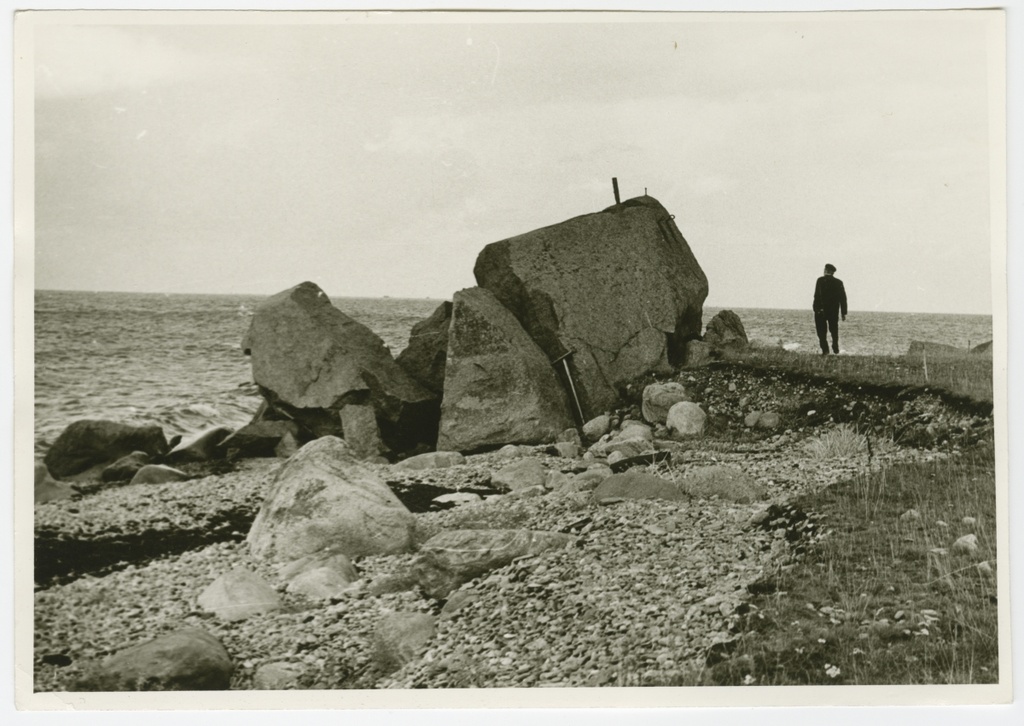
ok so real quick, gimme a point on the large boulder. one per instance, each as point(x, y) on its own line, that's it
point(620, 288)
point(185, 660)
point(310, 359)
point(424, 358)
point(85, 444)
point(499, 387)
point(323, 497)
point(725, 332)
point(451, 558)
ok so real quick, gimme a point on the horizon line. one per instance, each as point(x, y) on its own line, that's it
point(444, 299)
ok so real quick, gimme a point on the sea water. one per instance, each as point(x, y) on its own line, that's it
point(176, 360)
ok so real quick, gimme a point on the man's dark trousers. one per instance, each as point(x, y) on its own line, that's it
point(826, 321)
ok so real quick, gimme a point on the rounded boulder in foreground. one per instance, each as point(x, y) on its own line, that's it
point(186, 660)
point(685, 419)
point(659, 398)
point(324, 497)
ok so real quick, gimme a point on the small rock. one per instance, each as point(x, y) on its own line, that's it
point(750, 420)
point(276, 676)
point(911, 515)
point(966, 545)
point(186, 660)
point(458, 498)
point(238, 595)
point(596, 427)
point(685, 419)
point(768, 420)
point(523, 474)
point(401, 638)
point(969, 521)
point(432, 460)
point(158, 474)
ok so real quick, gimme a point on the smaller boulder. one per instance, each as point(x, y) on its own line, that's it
point(638, 485)
point(87, 443)
point(521, 474)
point(321, 576)
point(359, 426)
point(259, 439)
point(158, 474)
point(185, 660)
point(751, 419)
point(685, 419)
point(597, 427)
point(658, 398)
point(966, 545)
point(126, 467)
point(768, 420)
point(725, 482)
point(203, 446)
point(564, 449)
point(431, 460)
point(725, 332)
point(401, 638)
point(458, 600)
point(48, 489)
point(569, 436)
point(277, 676)
point(238, 595)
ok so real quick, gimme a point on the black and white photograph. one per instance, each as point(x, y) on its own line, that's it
point(646, 358)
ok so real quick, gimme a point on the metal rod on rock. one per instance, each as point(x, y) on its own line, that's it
point(615, 188)
point(564, 360)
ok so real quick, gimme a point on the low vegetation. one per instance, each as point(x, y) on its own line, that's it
point(966, 375)
point(898, 586)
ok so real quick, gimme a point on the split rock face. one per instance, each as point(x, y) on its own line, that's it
point(620, 287)
point(311, 359)
point(499, 387)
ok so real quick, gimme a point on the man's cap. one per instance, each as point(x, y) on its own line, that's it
point(830, 268)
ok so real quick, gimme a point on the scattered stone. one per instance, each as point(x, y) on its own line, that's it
point(725, 482)
point(768, 420)
point(126, 467)
point(597, 427)
point(911, 515)
point(203, 446)
point(186, 660)
point(87, 443)
point(685, 419)
point(238, 595)
point(47, 489)
point(751, 419)
point(458, 498)
point(966, 545)
point(458, 600)
point(969, 521)
point(566, 449)
point(264, 438)
point(639, 485)
point(158, 474)
point(570, 436)
point(432, 460)
point(277, 676)
point(985, 568)
point(658, 398)
point(454, 557)
point(324, 497)
point(519, 475)
point(401, 638)
point(726, 332)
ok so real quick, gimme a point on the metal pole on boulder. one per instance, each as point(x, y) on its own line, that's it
point(564, 360)
point(615, 188)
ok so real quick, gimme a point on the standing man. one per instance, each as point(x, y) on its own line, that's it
point(829, 301)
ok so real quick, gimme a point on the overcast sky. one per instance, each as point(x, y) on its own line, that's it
point(377, 157)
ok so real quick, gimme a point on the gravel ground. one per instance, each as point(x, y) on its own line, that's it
point(649, 589)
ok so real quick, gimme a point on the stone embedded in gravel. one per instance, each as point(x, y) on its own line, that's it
point(658, 398)
point(458, 600)
point(238, 595)
point(725, 482)
point(751, 419)
point(401, 638)
point(320, 577)
point(522, 474)
point(768, 420)
point(639, 485)
point(966, 545)
point(186, 660)
point(431, 460)
point(276, 676)
point(126, 467)
point(48, 489)
point(685, 419)
point(158, 474)
point(911, 515)
point(454, 557)
point(324, 497)
point(566, 449)
point(203, 446)
point(596, 427)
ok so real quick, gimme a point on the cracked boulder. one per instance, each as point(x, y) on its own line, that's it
point(620, 288)
point(499, 387)
point(310, 360)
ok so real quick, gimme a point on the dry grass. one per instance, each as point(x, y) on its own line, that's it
point(966, 375)
point(884, 598)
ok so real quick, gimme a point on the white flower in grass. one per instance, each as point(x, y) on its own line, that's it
point(831, 671)
point(749, 680)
